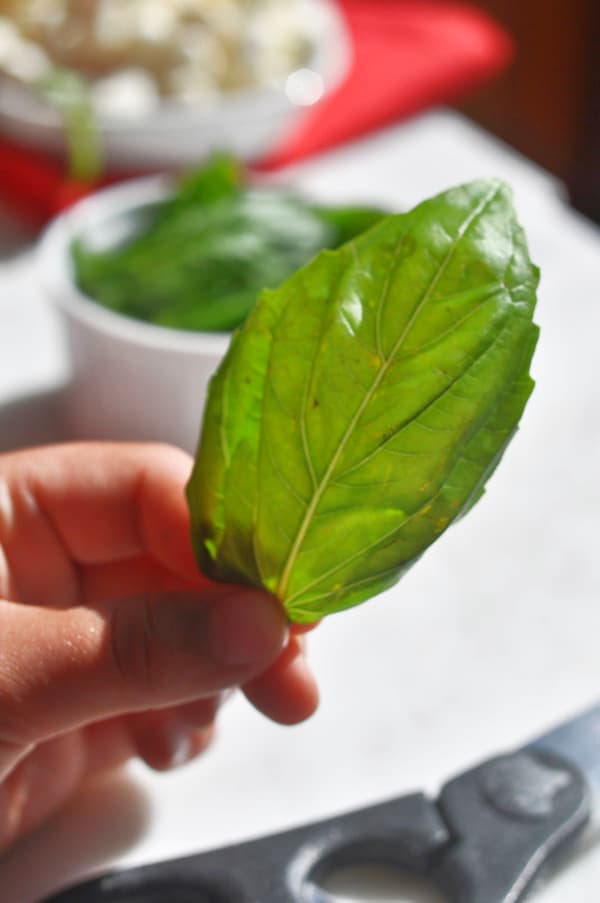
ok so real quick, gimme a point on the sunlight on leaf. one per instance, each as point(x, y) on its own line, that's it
point(331, 457)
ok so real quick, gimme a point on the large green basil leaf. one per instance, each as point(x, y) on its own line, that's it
point(365, 402)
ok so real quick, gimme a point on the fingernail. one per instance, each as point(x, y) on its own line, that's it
point(247, 628)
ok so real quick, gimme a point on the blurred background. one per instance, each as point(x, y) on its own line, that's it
point(547, 102)
point(163, 84)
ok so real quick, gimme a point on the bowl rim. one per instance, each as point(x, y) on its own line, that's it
point(54, 270)
point(331, 58)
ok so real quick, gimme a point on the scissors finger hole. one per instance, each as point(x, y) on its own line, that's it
point(379, 883)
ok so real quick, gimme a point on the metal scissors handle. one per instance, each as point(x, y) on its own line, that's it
point(484, 839)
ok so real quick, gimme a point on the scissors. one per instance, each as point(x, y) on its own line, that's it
point(486, 838)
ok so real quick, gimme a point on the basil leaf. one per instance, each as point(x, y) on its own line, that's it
point(206, 252)
point(365, 402)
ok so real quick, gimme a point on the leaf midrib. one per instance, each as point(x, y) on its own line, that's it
point(386, 536)
point(322, 486)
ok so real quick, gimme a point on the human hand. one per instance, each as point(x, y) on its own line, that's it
point(111, 642)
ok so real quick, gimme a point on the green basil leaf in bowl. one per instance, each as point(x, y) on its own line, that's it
point(203, 255)
point(365, 402)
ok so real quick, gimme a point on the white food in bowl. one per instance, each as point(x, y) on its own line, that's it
point(130, 379)
point(204, 102)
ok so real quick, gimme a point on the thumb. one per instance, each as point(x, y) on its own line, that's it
point(60, 669)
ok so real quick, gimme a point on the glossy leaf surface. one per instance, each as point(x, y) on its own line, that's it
point(364, 404)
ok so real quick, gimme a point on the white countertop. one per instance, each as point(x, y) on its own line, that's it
point(491, 638)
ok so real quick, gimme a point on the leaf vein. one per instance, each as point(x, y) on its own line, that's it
point(293, 554)
point(421, 510)
point(355, 583)
point(384, 299)
point(283, 479)
point(451, 329)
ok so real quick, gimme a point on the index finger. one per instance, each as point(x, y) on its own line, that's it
point(109, 501)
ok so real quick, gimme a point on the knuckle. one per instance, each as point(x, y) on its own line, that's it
point(132, 646)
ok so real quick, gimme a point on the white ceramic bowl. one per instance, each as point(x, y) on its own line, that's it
point(247, 123)
point(130, 379)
